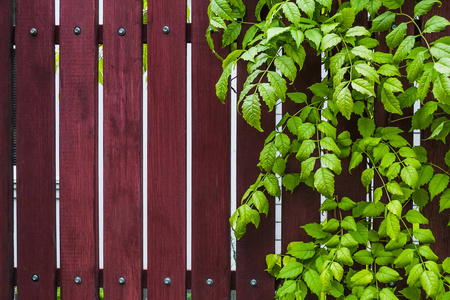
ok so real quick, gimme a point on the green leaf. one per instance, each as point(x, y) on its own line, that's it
point(331, 161)
point(426, 252)
point(312, 279)
point(383, 22)
point(231, 33)
point(251, 111)
point(363, 257)
point(326, 3)
point(288, 287)
point(222, 9)
point(430, 283)
point(291, 181)
point(438, 184)
point(444, 202)
point(423, 7)
point(394, 188)
point(324, 182)
point(424, 116)
point(268, 94)
point(330, 40)
point(301, 250)
point(367, 176)
point(396, 36)
point(306, 149)
point(267, 157)
point(222, 84)
point(404, 48)
point(392, 226)
point(443, 66)
point(388, 70)
point(344, 256)
point(385, 275)
point(307, 167)
point(357, 30)
point(355, 160)
point(366, 127)
point(314, 36)
point(363, 86)
point(291, 270)
point(344, 102)
point(337, 270)
point(283, 143)
point(424, 84)
point(373, 209)
point(314, 230)
point(424, 236)
point(273, 188)
point(413, 216)
point(346, 203)
point(329, 144)
point(307, 6)
point(298, 53)
point(393, 85)
point(249, 35)
point(415, 274)
point(348, 223)
point(390, 102)
point(410, 176)
point(362, 278)
point(405, 258)
point(278, 83)
point(393, 4)
point(286, 66)
point(291, 12)
point(435, 24)
point(362, 52)
point(359, 5)
point(395, 207)
point(332, 224)
point(387, 294)
point(415, 68)
point(367, 71)
point(260, 201)
point(276, 31)
point(440, 50)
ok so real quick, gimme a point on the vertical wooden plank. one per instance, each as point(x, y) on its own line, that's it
point(78, 148)
point(253, 247)
point(6, 164)
point(210, 168)
point(436, 152)
point(36, 204)
point(167, 149)
point(122, 49)
point(301, 206)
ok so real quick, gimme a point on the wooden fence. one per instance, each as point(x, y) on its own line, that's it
point(122, 34)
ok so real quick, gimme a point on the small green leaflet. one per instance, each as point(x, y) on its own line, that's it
point(393, 4)
point(424, 84)
point(396, 36)
point(443, 66)
point(298, 53)
point(291, 181)
point(260, 201)
point(301, 250)
point(344, 102)
point(278, 83)
point(388, 70)
point(288, 287)
point(363, 86)
point(268, 95)
point(410, 176)
point(367, 71)
point(267, 157)
point(444, 202)
point(286, 66)
point(383, 22)
point(438, 184)
point(275, 31)
point(331, 161)
point(362, 278)
point(404, 48)
point(415, 68)
point(324, 182)
point(314, 230)
point(404, 258)
point(330, 40)
point(312, 279)
point(291, 12)
point(363, 257)
point(344, 256)
point(366, 177)
point(366, 126)
point(251, 111)
point(385, 275)
point(357, 30)
point(392, 226)
point(430, 283)
point(387, 294)
point(362, 52)
point(413, 216)
point(222, 84)
point(414, 274)
point(314, 36)
point(424, 6)
point(307, 6)
point(440, 50)
point(222, 9)
point(326, 3)
point(435, 24)
point(231, 33)
point(390, 102)
point(424, 236)
point(291, 270)
point(306, 149)
point(359, 5)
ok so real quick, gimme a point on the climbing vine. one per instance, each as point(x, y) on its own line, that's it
point(351, 256)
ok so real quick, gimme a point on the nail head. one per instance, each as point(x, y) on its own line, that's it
point(121, 31)
point(122, 280)
point(33, 31)
point(167, 281)
point(209, 282)
point(77, 30)
point(35, 277)
point(166, 29)
point(78, 280)
point(253, 282)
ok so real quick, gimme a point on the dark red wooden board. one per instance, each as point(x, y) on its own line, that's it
point(35, 71)
point(78, 149)
point(122, 149)
point(210, 168)
point(6, 163)
point(436, 152)
point(167, 149)
point(252, 248)
point(301, 206)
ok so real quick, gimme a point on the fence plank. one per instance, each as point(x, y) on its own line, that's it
point(122, 149)
point(6, 170)
point(210, 169)
point(167, 149)
point(78, 149)
point(35, 73)
point(253, 247)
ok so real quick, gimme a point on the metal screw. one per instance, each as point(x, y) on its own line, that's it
point(253, 282)
point(33, 31)
point(78, 280)
point(209, 282)
point(166, 29)
point(392, 284)
point(121, 31)
point(122, 280)
point(167, 281)
point(35, 277)
point(393, 26)
point(77, 30)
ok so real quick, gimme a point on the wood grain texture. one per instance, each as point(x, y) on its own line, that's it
point(252, 248)
point(436, 153)
point(210, 168)
point(301, 206)
point(167, 149)
point(36, 204)
point(78, 149)
point(6, 163)
point(122, 149)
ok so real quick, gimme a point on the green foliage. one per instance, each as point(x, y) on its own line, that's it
point(348, 257)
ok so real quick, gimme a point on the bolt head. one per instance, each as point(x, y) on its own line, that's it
point(122, 280)
point(253, 282)
point(393, 26)
point(121, 31)
point(209, 281)
point(33, 31)
point(77, 30)
point(167, 281)
point(166, 29)
point(78, 280)
point(35, 277)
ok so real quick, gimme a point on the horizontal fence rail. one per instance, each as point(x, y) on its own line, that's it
point(124, 157)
